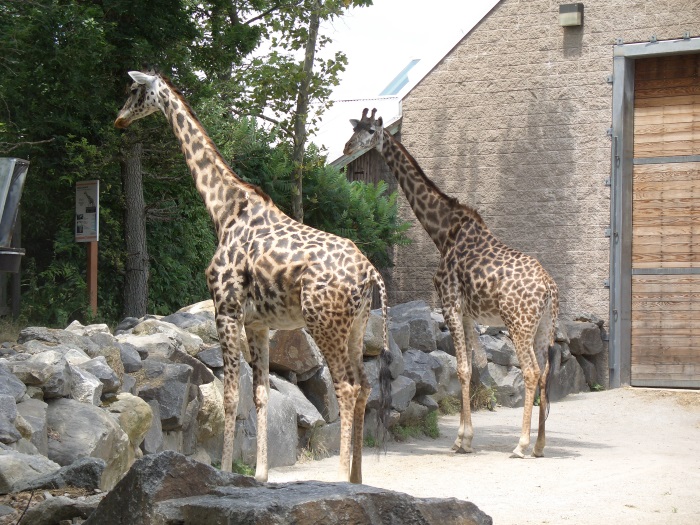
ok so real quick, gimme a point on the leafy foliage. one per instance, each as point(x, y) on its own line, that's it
point(64, 65)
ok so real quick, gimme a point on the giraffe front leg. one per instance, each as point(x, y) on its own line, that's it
point(228, 329)
point(258, 343)
point(462, 343)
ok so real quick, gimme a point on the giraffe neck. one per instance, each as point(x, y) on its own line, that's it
point(224, 194)
point(433, 209)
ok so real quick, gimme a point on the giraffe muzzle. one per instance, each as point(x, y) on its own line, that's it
point(121, 123)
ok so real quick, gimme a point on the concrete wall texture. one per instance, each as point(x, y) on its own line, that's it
point(513, 121)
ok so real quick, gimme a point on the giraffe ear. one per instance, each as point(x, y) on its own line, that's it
point(354, 122)
point(142, 78)
point(379, 122)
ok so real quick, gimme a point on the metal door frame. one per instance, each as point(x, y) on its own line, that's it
point(622, 161)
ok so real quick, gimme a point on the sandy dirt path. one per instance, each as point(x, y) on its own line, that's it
point(624, 456)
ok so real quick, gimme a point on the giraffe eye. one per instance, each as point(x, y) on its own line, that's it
point(134, 91)
point(371, 131)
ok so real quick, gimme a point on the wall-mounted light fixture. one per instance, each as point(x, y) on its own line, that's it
point(570, 15)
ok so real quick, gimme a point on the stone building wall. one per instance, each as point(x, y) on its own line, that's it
point(513, 121)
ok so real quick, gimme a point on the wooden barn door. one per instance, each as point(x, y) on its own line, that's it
point(665, 339)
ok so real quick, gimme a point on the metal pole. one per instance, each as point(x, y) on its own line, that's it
point(92, 276)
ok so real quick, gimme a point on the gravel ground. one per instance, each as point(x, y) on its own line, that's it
point(624, 456)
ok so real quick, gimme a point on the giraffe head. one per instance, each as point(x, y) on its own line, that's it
point(142, 99)
point(367, 133)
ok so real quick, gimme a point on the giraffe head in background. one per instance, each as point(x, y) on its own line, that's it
point(143, 99)
point(367, 133)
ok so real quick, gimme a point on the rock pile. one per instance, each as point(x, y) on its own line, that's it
point(84, 394)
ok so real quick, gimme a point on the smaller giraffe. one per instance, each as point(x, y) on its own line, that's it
point(478, 279)
point(269, 271)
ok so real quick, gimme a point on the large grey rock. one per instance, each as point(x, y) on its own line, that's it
point(47, 370)
point(99, 368)
point(79, 430)
point(245, 440)
point(204, 322)
point(585, 338)
point(17, 468)
point(158, 343)
point(374, 335)
point(8, 414)
point(509, 385)
point(567, 378)
point(153, 439)
point(422, 368)
point(85, 388)
point(78, 328)
point(499, 350)
point(447, 378)
point(190, 429)
point(169, 385)
point(403, 390)
point(320, 391)
point(135, 418)
point(444, 342)
point(294, 351)
point(210, 418)
point(10, 385)
point(201, 324)
point(282, 431)
point(84, 473)
point(34, 413)
point(167, 488)
point(185, 341)
point(414, 413)
point(62, 509)
point(211, 356)
point(130, 358)
point(307, 414)
point(323, 440)
point(53, 336)
point(397, 365)
point(589, 370)
point(422, 325)
point(312, 502)
point(157, 478)
point(400, 332)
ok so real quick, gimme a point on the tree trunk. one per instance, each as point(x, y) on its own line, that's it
point(136, 278)
point(301, 115)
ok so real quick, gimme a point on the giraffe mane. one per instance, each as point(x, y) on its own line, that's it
point(453, 201)
point(209, 141)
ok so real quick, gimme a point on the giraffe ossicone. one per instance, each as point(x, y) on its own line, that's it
point(478, 279)
point(269, 271)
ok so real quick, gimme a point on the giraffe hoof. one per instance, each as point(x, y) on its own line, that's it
point(517, 454)
point(462, 450)
point(538, 453)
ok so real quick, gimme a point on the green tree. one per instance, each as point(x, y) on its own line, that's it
point(64, 65)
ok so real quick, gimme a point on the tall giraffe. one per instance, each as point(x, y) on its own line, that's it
point(270, 271)
point(478, 279)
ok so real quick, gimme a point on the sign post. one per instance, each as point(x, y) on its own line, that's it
point(87, 229)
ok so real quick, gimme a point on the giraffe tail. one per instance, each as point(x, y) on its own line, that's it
point(385, 359)
point(551, 352)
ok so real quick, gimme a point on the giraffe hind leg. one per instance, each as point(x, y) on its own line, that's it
point(355, 349)
point(462, 337)
point(523, 342)
point(545, 357)
point(258, 342)
point(333, 344)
